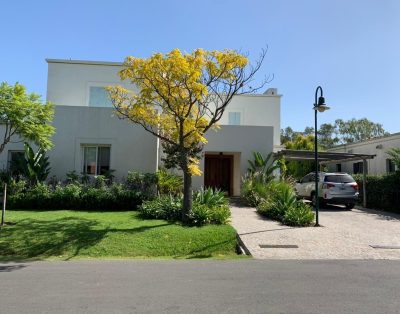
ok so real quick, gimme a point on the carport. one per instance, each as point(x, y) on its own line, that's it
point(325, 158)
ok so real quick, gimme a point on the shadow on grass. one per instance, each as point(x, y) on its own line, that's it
point(32, 239)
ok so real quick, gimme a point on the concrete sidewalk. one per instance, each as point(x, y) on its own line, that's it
point(344, 235)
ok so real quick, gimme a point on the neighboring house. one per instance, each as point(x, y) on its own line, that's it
point(381, 164)
point(91, 139)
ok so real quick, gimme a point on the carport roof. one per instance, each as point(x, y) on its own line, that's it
point(323, 157)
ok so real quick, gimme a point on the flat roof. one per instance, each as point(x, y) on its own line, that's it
point(87, 62)
point(323, 157)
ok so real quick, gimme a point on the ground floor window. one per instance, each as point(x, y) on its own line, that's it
point(390, 166)
point(96, 159)
point(358, 167)
point(338, 167)
point(15, 161)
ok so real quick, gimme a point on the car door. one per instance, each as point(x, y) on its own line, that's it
point(310, 186)
point(300, 186)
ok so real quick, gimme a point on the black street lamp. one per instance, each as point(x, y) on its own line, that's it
point(319, 106)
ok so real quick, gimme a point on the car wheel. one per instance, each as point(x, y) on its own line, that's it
point(313, 199)
point(350, 206)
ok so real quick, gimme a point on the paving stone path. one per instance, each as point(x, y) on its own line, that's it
point(344, 234)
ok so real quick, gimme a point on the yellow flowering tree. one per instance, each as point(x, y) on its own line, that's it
point(180, 97)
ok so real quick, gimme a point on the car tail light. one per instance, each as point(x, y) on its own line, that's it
point(354, 186)
point(328, 186)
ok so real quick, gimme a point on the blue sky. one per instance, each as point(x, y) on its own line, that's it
point(350, 48)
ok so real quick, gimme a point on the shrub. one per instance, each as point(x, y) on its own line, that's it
point(144, 182)
point(75, 196)
point(253, 190)
point(205, 210)
point(164, 207)
point(281, 204)
point(383, 192)
point(169, 183)
point(100, 182)
point(298, 215)
point(210, 197)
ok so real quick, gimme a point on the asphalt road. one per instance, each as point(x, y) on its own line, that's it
point(240, 286)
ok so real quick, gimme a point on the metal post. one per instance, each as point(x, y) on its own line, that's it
point(316, 168)
point(3, 212)
point(365, 165)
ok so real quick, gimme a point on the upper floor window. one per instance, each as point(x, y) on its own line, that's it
point(96, 159)
point(99, 97)
point(234, 118)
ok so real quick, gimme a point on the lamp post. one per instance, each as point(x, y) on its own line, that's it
point(319, 106)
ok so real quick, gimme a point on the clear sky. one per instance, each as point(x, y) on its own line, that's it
point(349, 47)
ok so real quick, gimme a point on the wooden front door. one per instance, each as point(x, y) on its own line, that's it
point(218, 172)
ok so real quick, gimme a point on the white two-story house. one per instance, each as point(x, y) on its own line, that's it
point(91, 139)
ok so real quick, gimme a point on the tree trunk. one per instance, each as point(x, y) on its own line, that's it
point(187, 196)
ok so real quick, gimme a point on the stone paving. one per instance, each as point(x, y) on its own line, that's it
point(344, 234)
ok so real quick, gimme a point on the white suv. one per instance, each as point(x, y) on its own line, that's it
point(334, 188)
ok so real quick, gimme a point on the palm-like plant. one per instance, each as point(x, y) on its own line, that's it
point(34, 166)
point(262, 168)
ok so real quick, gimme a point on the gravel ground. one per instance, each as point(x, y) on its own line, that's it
point(344, 234)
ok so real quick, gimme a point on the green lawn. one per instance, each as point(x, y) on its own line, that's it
point(64, 235)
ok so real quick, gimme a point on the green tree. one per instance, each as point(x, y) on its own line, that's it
point(181, 97)
point(327, 135)
point(298, 169)
point(24, 117)
point(394, 154)
point(354, 130)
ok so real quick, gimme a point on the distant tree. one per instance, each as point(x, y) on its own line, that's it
point(341, 132)
point(327, 135)
point(288, 135)
point(308, 131)
point(23, 115)
point(354, 130)
point(181, 97)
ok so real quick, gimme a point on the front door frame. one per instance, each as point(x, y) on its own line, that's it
point(221, 155)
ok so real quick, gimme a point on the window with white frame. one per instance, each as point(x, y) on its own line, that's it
point(96, 159)
point(234, 118)
point(99, 97)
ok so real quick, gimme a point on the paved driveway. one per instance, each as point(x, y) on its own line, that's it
point(344, 235)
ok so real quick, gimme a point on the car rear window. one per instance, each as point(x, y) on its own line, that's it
point(342, 178)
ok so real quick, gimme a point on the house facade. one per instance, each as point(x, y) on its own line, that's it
point(380, 164)
point(91, 139)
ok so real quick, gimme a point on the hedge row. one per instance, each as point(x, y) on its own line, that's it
point(383, 192)
point(74, 196)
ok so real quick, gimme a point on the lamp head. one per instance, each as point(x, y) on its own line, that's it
point(321, 101)
point(321, 106)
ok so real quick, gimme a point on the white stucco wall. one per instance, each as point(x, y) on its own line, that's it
point(132, 148)
point(378, 147)
point(241, 142)
point(69, 82)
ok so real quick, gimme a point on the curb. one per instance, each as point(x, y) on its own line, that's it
point(241, 246)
